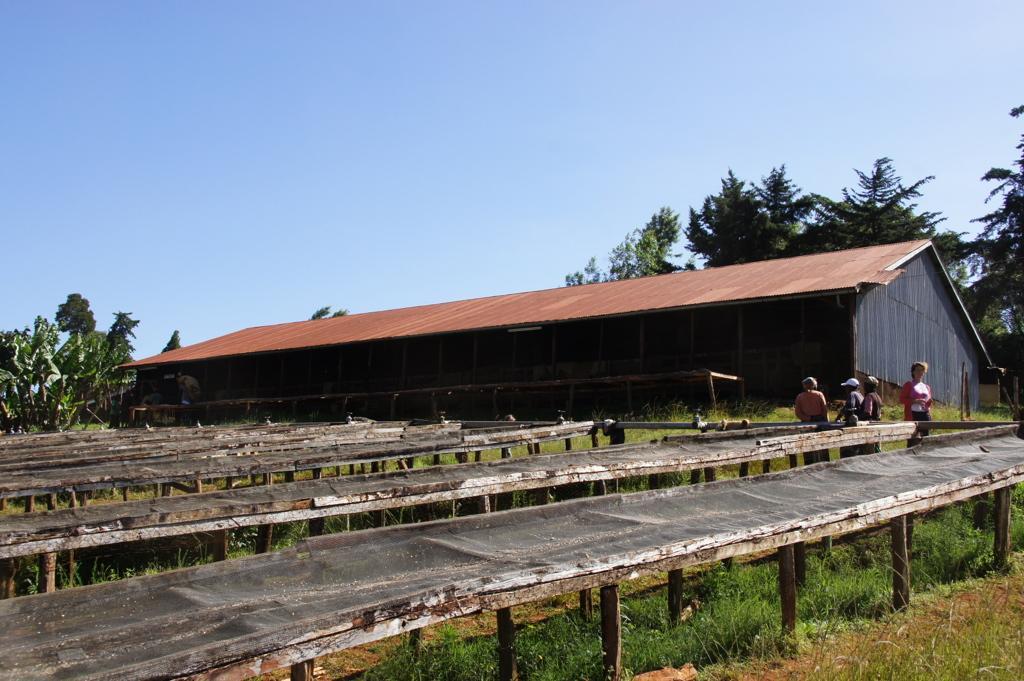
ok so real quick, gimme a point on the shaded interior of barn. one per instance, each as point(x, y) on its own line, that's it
point(610, 364)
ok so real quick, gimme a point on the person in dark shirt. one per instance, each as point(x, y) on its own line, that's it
point(849, 413)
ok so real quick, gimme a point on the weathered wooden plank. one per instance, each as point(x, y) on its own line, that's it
point(106, 475)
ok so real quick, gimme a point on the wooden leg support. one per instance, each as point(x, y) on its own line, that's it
point(47, 573)
point(787, 588)
point(264, 538)
point(219, 545)
point(586, 604)
point(8, 572)
point(981, 511)
point(800, 563)
point(1001, 509)
point(611, 633)
point(507, 669)
point(675, 597)
point(744, 469)
point(900, 563)
point(302, 671)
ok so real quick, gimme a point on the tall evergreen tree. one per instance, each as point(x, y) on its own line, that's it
point(880, 211)
point(744, 224)
point(122, 330)
point(74, 316)
point(787, 208)
point(998, 262)
point(173, 343)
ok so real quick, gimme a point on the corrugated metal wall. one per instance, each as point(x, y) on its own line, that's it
point(916, 318)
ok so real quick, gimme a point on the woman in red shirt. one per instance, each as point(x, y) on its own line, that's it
point(916, 396)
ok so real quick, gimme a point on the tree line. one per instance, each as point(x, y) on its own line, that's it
point(774, 218)
point(56, 374)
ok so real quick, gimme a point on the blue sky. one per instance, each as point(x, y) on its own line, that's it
point(211, 166)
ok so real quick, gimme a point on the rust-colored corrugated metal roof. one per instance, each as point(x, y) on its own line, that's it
point(837, 271)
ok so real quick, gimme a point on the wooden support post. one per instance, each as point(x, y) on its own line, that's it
point(30, 504)
point(695, 476)
point(8, 572)
point(264, 538)
point(265, 535)
point(594, 442)
point(484, 503)
point(794, 460)
point(506, 452)
point(900, 563)
point(302, 671)
point(47, 573)
point(72, 569)
point(540, 496)
point(124, 497)
point(478, 456)
point(289, 476)
point(787, 588)
point(219, 544)
point(1001, 508)
point(611, 633)
point(675, 597)
point(568, 444)
point(766, 466)
point(437, 459)
point(744, 469)
point(711, 391)
point(586, 604)
point(709, 474)
point(507, 669)
point(800, 563)
point(981, 511)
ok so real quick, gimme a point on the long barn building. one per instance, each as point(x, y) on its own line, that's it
point(607, 346)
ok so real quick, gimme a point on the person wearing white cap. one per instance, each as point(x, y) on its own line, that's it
point(851, 408)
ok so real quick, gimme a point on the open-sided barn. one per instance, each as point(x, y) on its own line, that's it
point(617, 344)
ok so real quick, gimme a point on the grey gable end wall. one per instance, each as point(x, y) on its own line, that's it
point(916, 318)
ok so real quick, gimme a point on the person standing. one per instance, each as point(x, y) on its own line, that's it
point(810, 407)
point(916, 396)
point(871, 410)
point(871, 407)
point(854, 400)
point(850, 414)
